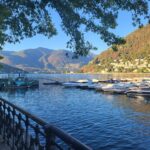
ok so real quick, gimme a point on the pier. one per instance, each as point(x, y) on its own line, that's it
point(21, 130)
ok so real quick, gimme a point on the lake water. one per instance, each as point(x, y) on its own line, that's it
point(102, 121)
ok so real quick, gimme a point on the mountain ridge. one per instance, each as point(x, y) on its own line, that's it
point(44, 60)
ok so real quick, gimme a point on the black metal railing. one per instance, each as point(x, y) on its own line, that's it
point(21, 130)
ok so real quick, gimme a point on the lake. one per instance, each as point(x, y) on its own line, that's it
point(102, 121)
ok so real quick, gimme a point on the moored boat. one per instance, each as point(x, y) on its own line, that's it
point(71, 84)
point(118, 88)
point(78, 84)
point(52, 82)
point(21, 82)
point(94, 86)
point(139, 91)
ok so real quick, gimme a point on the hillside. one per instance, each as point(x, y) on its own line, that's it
point(44, 60)
point(9, 69)
point(134, 56)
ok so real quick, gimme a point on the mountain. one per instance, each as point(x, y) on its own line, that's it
point(44, 60)
point(133, 56)
point(9, 69)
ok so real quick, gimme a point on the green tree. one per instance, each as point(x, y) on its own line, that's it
point(20, 19)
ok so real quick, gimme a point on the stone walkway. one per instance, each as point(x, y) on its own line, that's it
point(3, 146)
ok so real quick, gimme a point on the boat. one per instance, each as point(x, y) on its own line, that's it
point(82, 81)
point(83, 84)
point(97, 87)
point(139, 91)
point(146, 82)
point(76, 85)
point(71, 84)
point(21, 82)
point(52, 82)
point(33, 83)
point(93, 86)
point(95, 81)
point(110, 81)
point(118, 88)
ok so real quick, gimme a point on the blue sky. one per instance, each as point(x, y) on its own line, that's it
point(59, 41)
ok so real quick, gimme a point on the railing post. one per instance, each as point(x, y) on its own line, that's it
point(26, 132)
point(50, 139)
point(13, 129)
point(4, 117)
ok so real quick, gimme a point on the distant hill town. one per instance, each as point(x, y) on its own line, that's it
point(45, 60)
point(134, 56)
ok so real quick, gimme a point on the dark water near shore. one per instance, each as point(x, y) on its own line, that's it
point(102, 121)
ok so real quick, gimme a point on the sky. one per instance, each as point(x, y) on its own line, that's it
point(59, 41)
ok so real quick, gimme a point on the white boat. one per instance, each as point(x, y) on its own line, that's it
point(139, 91)
point(119, 88)
point(78, 84)
point(99, 87)
point(95, 86)
point(95, 81)
point(71, 84)
point(92, 86)
point(82, 81)
point(146, 82)
point(83, 85)
point(88, 81)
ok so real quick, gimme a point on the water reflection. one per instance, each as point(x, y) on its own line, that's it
point(100, 120)
point(19, 92)
point(136, 104)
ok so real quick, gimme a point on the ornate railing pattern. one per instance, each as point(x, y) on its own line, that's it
point(22, 131)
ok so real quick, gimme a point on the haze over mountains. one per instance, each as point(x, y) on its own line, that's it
point(133, 56)
point(44, 60)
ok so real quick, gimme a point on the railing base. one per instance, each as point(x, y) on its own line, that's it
point(3, 146)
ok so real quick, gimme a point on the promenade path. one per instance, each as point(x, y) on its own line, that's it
point(3, 146)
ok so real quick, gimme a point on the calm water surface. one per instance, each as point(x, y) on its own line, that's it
point(102, 121)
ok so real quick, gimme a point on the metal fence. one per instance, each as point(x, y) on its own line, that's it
point(21, 130)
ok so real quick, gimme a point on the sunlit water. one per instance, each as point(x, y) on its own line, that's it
point(102, 121)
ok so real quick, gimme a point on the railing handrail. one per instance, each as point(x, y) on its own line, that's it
point(68, 139)
point(33, 117)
